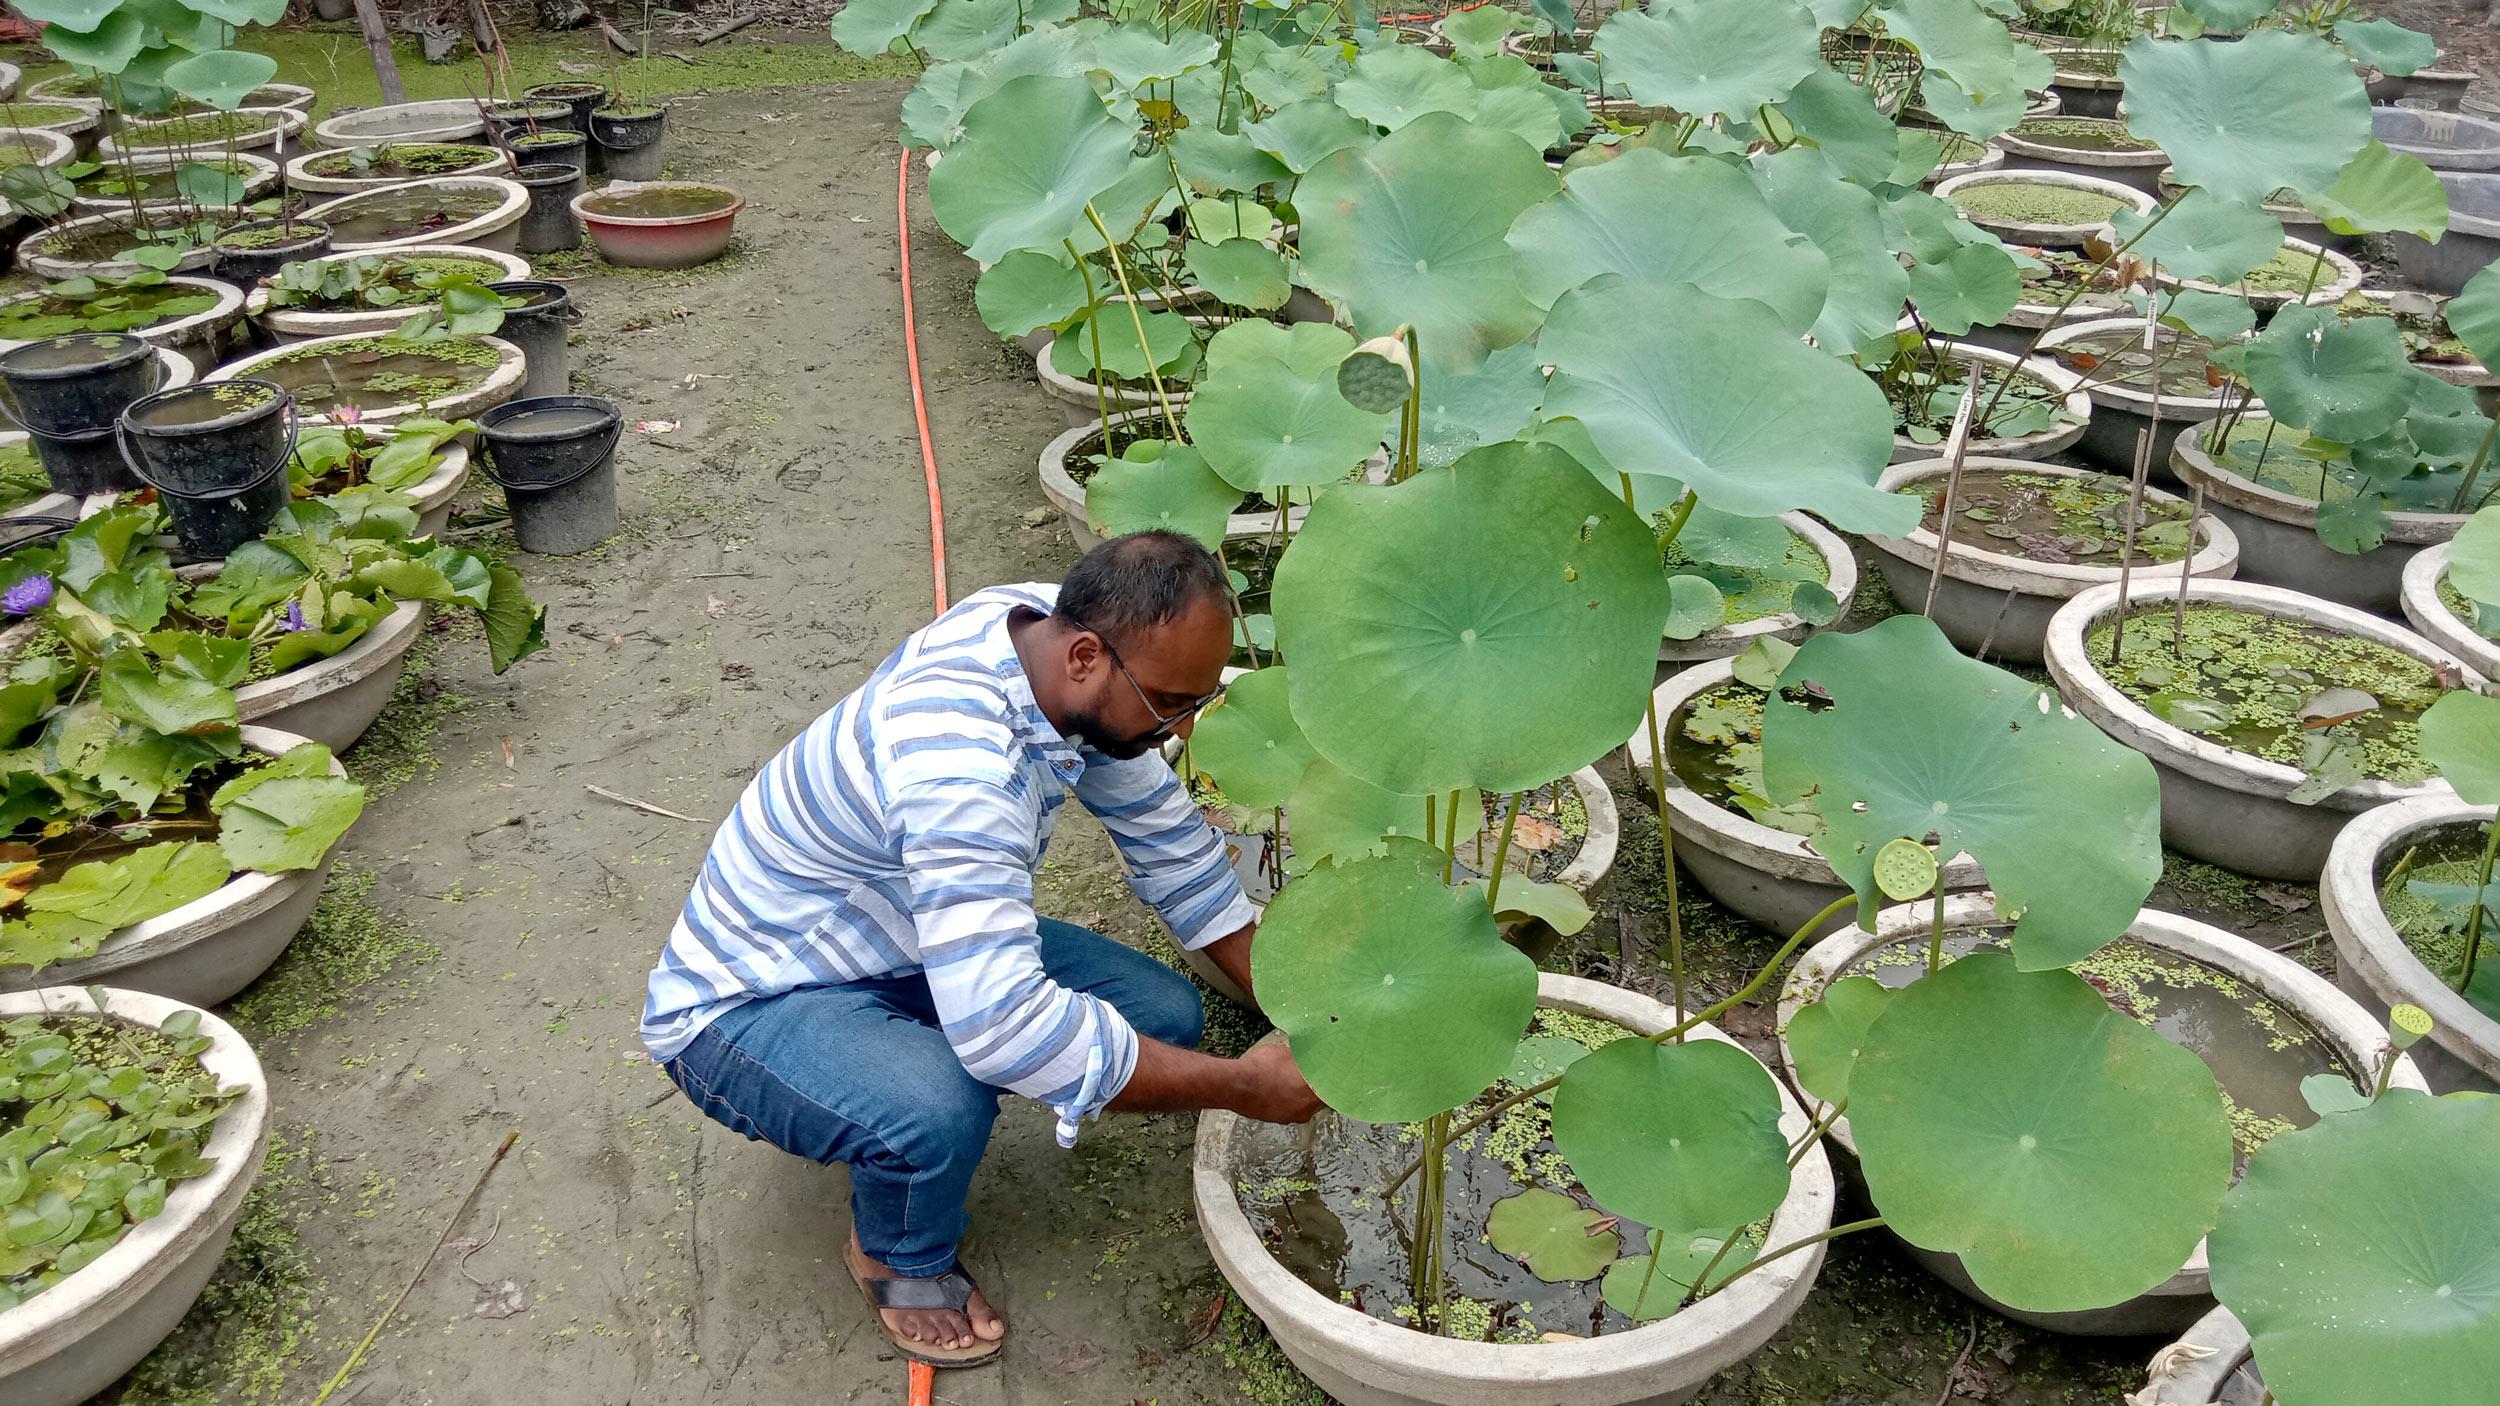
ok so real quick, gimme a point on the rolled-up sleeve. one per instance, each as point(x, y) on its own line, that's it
point(1177, 863)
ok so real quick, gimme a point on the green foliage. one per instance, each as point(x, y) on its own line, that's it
point(2246, 119)
point(1710, 56)
point(2379, 191)
point(1825, 1037)
point(2338, 380)
point(1158, 486)
point(1679, 1136)
point(2461, 737)
point(1249, 743)
point(1034, 154)
point(1556, 1237)
point(1269, 414)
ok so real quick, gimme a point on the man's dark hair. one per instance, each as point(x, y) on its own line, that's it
point(1131, 584)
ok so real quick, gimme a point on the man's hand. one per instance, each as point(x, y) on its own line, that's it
point(1274, 1090)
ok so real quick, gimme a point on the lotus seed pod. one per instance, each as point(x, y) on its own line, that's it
point(2406, 1024)
point(1377, 376)
point(1905, 869)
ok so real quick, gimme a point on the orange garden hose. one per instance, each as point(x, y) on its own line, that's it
point(919, 400)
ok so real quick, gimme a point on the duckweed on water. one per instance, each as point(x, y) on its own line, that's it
point(2468, 611)
point(2275, 462)
point(1756, 592)
point(2434, 930)
point(2083, 134)
point(2240, 679)
point(204, 129)
point(2036, 203)
point(2291, 270)
point(2050, 518)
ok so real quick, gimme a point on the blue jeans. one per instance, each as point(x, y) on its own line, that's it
point(860, 1073)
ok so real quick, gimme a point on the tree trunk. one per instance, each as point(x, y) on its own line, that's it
point(378, 41)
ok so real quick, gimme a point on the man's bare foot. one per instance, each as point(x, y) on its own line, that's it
point(931, 1327)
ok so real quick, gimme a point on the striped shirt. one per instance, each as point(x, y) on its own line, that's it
point(900, 833)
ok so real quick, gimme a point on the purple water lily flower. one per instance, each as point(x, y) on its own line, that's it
point(27, 596)
point(294, 616)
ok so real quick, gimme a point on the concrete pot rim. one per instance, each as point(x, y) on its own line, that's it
point(180, 331)
point(91, 113)
point(1068, 496)
point(301, 177)
point(514, 198)
point(457, 119)
point(2435, 621)
point(2050, 235)
point(1731, 834)
point(1637, 1359)
point(2370, 947)
point(56, 267)
point(86, 1302)
point(2194, 466)
point(1990, 159)
point(290, 122)
point(306, 324)
point(2081, 156)
point(2006, 571)
point(498, 386)
point(2037, 445)
point(1060, 386)
point(58, 148)
point(2347, 278)
point(2128, 398)
point(2193, 1370)
point(1840, 577)
point(2334, 1016)
point(2080, 684)
point(260, 177)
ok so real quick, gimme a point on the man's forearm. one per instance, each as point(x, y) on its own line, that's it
point(1232, 953)
point(1171, 1079)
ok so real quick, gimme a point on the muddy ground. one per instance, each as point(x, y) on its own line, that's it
point(478, 964)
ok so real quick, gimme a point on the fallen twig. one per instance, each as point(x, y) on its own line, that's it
point(725, 28)
point(358, 1355)
point(617, 38)
point(605, 794)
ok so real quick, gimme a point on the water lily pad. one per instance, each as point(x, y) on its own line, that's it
point(1430, 654)
point(1553, 1235)
point(2379, 192)
point(1825, 1037)
point(2246, 119)
point(1670, 219)
point(1411, 230)
point(1250, 744)
point(1033, 154)
point(2204, 237)
point(2069, 1155)
point(2365, 1250)
point(1918, 740)
point(1172, 492)
point(1677, 1136)
point(1397, 992)
point(1633, 1290)
point(1709, 56)
point(2339, 380)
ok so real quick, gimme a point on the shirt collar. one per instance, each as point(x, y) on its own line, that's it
point(1041, 738)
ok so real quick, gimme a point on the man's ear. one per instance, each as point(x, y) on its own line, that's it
point(1085, 656)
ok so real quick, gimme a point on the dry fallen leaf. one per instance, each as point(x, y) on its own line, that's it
point(2284, 900)
point(17, 883)
point(1202, 1324)
point(507, 754)
point(1534, 834)
point(714, 606)
point(501, 1299)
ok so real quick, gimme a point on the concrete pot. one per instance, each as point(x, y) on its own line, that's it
point(2186, 1296)
point(2444, 87)
point(1997, 604)
point(1068, 496)
point(2209, 1365)
point(1363, 1361)
point(2039, 445)
point(1990, 159)
point(442, 120)
point(2224, 806)
point(2338, 276)
point(2120, 412)
point(2469, 373)
point(9, 75)
point(1840, 568)
point(32, 257)
point(78, 1337)
point(1771, 877)
point(2431, 617)
point(1079, 404)
point(2278, 533)
point(435, 491)
point(2046, 236)
point(500, 385)
point(497, 229)
point(2372, 962)
point(199, 338)
point(2443, 141)
point(301, 178)
point(209, 948)
point(82, 125)
point(154, 140)
point(47, 147)
point(2082, 94)
point(2472, 240)
point(304, 324)
point(260, 177)
point(2137, 170)
point(2299, 222)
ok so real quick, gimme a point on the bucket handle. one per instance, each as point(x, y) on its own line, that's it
point(44, 525)
point(156, 363)
point(616, 436)
point(294, 427)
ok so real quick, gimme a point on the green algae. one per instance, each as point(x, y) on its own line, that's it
point(1756, 592)
point(2054, 518)
point(2035, 203)
point(2084, 134)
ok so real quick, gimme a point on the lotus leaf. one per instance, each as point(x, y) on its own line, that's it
point(2386, 46)
point(1026, 290)
point(2461, 736)
point(2474, 315)
point(2247, 118)
point(1977, 79)
point(1487, 404)
point(1478, 33)
point(1974, 286)
point(1392, 87)
point(2228, 16)
point(1840, 118)
point(1243, 272)
point(1033, 154)
point(1249, 743)
point(1710, 56)
point(1334, 814)
point(2380, 192)
point(1635, 1291)
point(1131, 56)
point(222, 78)
point(1867, 285)
point(1265, 422)
point(2203, 237)
point(1108, 337)
point(1825, 1037)
point(1303, 134)
point(2473, 558)
point(1172, 492)
point(2344, 381)
point(1558, 906)
point(1681, 1137)
point(872, 27)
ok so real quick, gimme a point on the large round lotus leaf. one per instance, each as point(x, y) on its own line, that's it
point(1112, 330)
point(1264, 422)
point(1398, 994)
point(1682, 1137)
point(2474, 558)
point(2386, 45)
point(2343, 381)
point(2380, 192)
point(1174, 491)
point(1559, 1239)
point(870, 27)
point(2363, 1253)
point(1033, 153)
point(1706, 56)
point(1485, 404)
point(1394, 86)
point(1866, 283)
point(1336, 814)
point(1977, 75)
point(956, 30)
point(1026, 290)
point(1653, 217)
point(2071, 1156)
point(1917, 740)
point(1214, 162)
point(1311, 348)
point(2246, 119)
point(1840, 118)
point(1722, 395)
point(1824, 1038)
point(1491, 624)
point(1305, 133)
point(1525, 112)
point(1249, 744)
point(2461, 736)
point(1410, 231)
point(1131, 55)
point(2204, 237)
point(1975, 285)
point(2229, 16)
point(1242, 272)
point(2474, 315)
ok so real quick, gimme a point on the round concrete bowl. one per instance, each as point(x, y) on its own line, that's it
point(2355, 1036)
point(1068, 496)
point(2120, 412)
point(260, 177)
point(1770, 877)
point(657, 241)
point(497, 228)
point(2210, 1365)
point(1989, 159)
point(435, 491)
point(2443, 141)
point(1840, 577)
point(2372, 962)
point(1996, 604)
point(330, 701)
point(305, 324)
point(1363, 1361)
point(2083, 93)
point(2220, 805)
point(45, 146)
point(157, 139)
point(2472, 240)
point(2278, 532)
point(2138, 170)
point(78, 121)
point(301, 178)
point(32, 255)
point(1082, 408)
point(2038, 445)
point(2338, 276)
point(500, 385)
point(9, 75)
point(2047, 236)
point(2431, 616)
point(77, 1337)
point(441, 120)
point(199, 338)
point(209, 948)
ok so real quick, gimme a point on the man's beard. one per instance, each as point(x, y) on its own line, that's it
point(1092, 732)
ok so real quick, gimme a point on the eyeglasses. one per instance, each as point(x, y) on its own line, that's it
point(1163, 723)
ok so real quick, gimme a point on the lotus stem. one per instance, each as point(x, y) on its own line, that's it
point(2135, 492)
point(1935, 927)
point(1093, 325)
point(1657, 1241)
point(1791, 1248)
point(2032, 348)
point(1501, 852)
point(2386, 1071)
point(2178, 616)
point(1119, 270)
point(2474, 471)
point(1411, 414)
point(1680, 514)
point(1431, 1203)
point(2474, 922)
point(1814, 1134)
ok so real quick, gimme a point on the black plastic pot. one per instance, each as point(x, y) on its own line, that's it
point(216, 454)
point(627, 148)
point(509, 120)
point(541, 330)
point(550, 147)
point(555, 456)
point(77, 384)
point(245, 268)
point(581, 97)
point(549, 223)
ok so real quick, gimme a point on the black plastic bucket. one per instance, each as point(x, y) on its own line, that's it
point(245, 268)
point(32, 530)
point(541, 330)
point(627, 148)
point(79, 383)
point(549, 224)
point(216, 454)
point(555, 456)
point(509, 120)
point(80, 464)
point(582, 96)
point(550, 147)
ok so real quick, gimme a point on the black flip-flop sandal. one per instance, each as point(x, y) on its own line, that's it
point(951, 1291)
